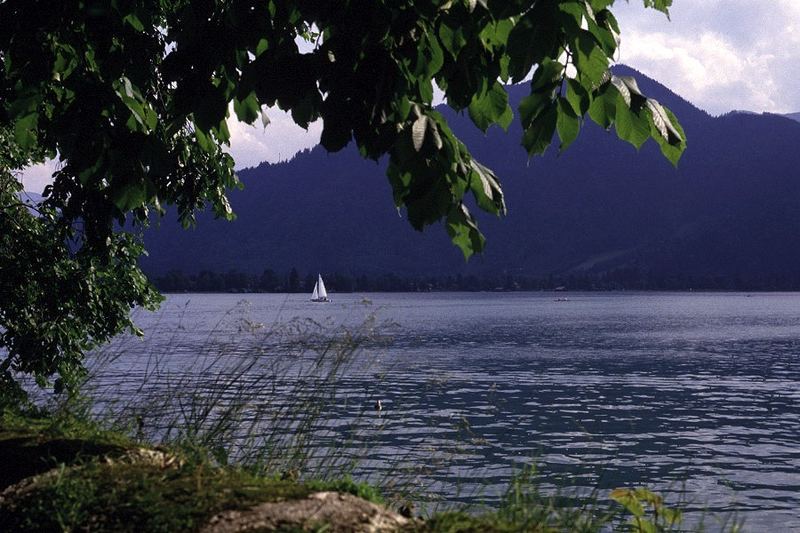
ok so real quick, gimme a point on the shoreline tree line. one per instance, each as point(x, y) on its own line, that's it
point(622, 279)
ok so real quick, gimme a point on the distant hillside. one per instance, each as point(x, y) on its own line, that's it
point(30, 197)
point(732, 208)
point(793, 116)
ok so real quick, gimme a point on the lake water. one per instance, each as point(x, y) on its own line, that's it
point(696, 395)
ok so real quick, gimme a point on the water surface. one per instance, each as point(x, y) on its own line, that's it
point(696, 395)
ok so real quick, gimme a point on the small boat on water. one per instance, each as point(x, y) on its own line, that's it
point(319, 294)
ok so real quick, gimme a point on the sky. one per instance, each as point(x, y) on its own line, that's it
point(722, 55)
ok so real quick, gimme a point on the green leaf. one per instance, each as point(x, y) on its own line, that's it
point(491, 108)
point(535, 39)
point(221, 132)
point(590, 60)
point(204, 141)
point(129, 196)
point(486, 189)
point(262, 46)
point(337, 129)
point(544, 91)
point(305, 110)
point(141, 112)
point(134, 22)
point(609, 21)
point(577, 97)
point(463, 231)
point(605, 35)
point(400, 181)
point(532, 106)
point(674, 144)
point(573, 14)
point(248, 108)
point(663, 123)
point(632, 85)
point(452, 39)
point(25, 130)
point(675, 127)
point(433, 129)
point(425, 89)
point(623, 90)
point(630, 126)
point(211, 107)
point(496, 34)
point(603, 109)
point(660, 5)
point(568, 124)
point(430, 56)
point(539, 134)
point(599, 5)
point(24, 105)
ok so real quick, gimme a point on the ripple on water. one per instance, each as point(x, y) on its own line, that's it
point(697, 395)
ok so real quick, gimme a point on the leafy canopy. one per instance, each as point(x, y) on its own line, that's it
point(133, 95)
point(57, 299)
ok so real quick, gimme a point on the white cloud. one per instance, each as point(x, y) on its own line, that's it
point(279, 141)
point(35, 178)
point(720, 54)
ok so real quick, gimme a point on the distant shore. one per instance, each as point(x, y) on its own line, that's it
point(631, 279)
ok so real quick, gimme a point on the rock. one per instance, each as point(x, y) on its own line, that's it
point(145, 456)
point(339, 512)
point(12, 494)
point(29, 455)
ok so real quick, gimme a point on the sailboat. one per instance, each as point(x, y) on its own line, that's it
point(319, 294)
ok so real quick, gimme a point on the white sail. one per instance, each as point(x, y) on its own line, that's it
point(319, 294)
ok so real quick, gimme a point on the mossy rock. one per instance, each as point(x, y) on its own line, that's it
point(73, 477)
point(333, 512)
point(32, 445)
point(121, 496)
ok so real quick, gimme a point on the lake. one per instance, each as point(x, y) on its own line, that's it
point(696, 395)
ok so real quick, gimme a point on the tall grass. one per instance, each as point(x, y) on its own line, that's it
point(261, 396)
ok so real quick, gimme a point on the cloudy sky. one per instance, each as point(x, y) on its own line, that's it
point(719, 54)
point(722, 55)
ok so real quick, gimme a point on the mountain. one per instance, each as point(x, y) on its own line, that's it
point(29, 197)
point(793, 116)
point(731, 208)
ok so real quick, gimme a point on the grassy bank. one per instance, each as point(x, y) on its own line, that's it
point(65, 473)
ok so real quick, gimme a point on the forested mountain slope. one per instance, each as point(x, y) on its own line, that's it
point(731, 208)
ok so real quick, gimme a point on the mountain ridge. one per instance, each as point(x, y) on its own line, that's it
point(729, 209)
